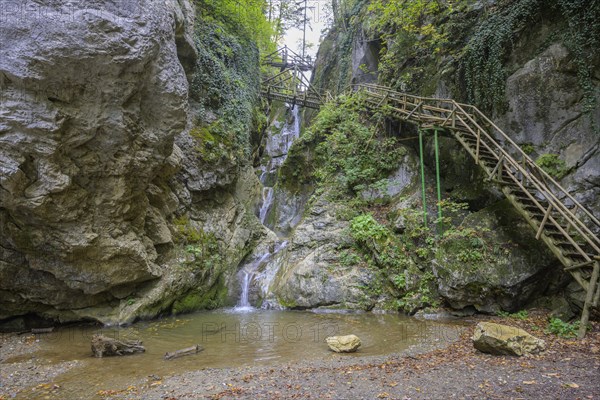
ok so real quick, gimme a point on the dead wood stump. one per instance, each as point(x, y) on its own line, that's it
point(103, 346)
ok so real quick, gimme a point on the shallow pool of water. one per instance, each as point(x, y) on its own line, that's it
point(230, 339)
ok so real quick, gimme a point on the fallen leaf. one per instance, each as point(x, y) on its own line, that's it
point(570, 385)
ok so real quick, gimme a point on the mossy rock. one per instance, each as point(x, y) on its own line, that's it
point(202, 300)
point(492, 261)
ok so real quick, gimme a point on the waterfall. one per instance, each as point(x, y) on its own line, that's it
point(260, 272)
point(252, 271)
point(244, 302)
point(276, 147)
point(267, 199)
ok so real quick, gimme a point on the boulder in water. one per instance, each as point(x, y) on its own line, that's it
point(343, 344)
point(505, 340)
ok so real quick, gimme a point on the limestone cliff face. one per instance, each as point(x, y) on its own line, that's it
point(544, 111)
point(93, 97)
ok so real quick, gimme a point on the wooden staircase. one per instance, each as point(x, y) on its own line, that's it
point(566, 227)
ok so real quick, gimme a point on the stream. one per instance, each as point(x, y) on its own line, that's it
point(230, 339)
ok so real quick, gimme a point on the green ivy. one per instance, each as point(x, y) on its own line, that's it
point(246, 19)
point(224, 89)
point(485, 55)
point(352, 156)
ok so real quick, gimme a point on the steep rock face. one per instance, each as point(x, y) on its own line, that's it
point(91, 103)
point(545, 110)
point(311, 274)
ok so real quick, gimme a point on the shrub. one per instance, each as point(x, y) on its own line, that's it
point(561, 328)
point(553, 165)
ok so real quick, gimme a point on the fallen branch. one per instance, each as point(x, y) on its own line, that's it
point(184, 352)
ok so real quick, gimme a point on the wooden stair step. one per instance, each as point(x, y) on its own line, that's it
point(574, 254)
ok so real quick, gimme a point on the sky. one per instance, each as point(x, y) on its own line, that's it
point(317, 21)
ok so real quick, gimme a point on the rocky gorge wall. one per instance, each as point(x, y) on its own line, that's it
point(119, 196)
point(489, 260)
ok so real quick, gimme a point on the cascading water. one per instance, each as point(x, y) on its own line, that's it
point(277, 144)
point(261, 271)
point(244, 302)
point(267, 200)
point(250, 271)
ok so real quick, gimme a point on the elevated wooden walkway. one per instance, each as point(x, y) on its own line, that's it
point(566, 227)
point(286, 58)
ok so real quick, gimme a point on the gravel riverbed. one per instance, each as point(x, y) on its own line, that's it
point(568, 369)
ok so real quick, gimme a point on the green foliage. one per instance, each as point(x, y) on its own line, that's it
point(422, 296)
point(348, 258)
point(185, 232)
point(520, 315)
point(366, 230)
point(553, 165)
point(379, 244)
point(410, 37)
point(201, 248)
point(563, 329)
point(351, 157)
point(483, 61)
point(214, 143)
point(410, 17)
point(528, 148)
point(246, 19)
point(224, 89)
point(582, 38)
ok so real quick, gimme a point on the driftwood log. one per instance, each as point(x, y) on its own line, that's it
point(184, 352)
point(103, 346)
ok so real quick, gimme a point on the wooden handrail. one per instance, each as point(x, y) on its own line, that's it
point(448, 113)
point(541, 187)
point(472, 128)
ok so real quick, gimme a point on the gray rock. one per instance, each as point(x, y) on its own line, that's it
point(104, 94)
point(310, 275)
point(505, 340)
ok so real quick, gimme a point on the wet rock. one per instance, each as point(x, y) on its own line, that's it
point(343, 344)
point(103, 346)
point(306, 278)
point(505, 340)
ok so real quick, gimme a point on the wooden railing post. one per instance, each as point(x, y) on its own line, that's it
point(541, 228)
point(589, 298)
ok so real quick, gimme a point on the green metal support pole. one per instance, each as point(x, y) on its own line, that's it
point(437, 178)
point(423, 177)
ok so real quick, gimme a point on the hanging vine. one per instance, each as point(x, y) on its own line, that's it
point(483, 63)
